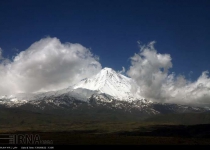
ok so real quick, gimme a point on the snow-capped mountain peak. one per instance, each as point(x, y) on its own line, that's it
point(112, 83)
point(107, 90)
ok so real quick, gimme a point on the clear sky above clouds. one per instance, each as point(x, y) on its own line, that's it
point(36, 35)
point(111, 28)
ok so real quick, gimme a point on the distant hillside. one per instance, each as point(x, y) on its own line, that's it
point(185, 118)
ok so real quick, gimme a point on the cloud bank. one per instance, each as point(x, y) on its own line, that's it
point(151, 72)
point(46, 65)
point(49, 65)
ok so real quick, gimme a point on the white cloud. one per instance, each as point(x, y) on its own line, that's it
point(122, 71)
point(47, 65)
point(1, 57)
point(150, 70)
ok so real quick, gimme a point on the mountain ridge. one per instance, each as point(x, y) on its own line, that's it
point(105, 91)
point(110, 82)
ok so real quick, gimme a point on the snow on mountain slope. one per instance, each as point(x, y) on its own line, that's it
point(110, 82)
point(107, 90)
point(106, 81)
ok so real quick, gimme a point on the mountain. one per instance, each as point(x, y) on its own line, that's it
point(107, 92)
point(112, 83)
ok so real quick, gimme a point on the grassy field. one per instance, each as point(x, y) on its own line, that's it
point(63, 129)
point(79, 138)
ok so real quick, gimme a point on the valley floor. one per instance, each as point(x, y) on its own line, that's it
point(132, 134)
point(80, 130)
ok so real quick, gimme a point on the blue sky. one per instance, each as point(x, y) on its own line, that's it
point(111, 28)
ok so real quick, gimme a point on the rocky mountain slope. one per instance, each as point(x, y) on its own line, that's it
point(107, 91)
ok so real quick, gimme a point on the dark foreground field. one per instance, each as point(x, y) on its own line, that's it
point(142, 135)
point(78, 130)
